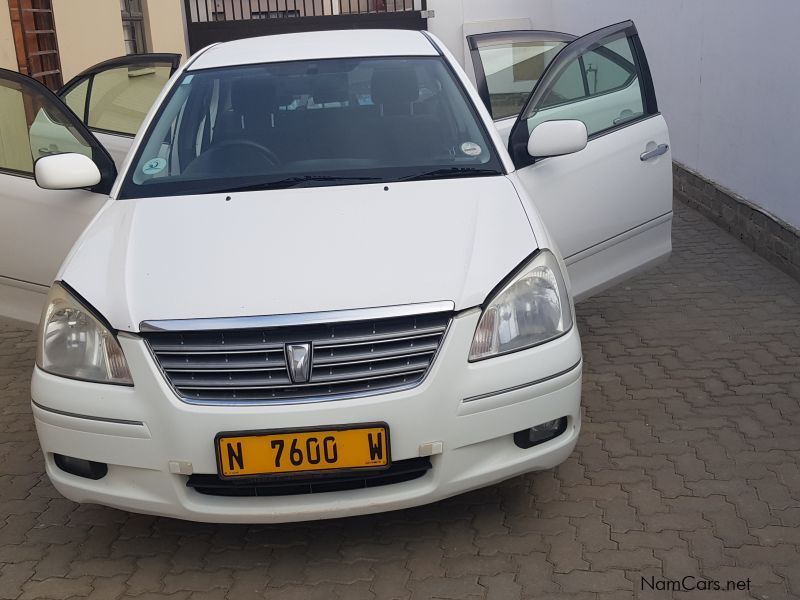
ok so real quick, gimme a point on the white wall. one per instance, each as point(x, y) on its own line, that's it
point(457, 18)
point(727, 76)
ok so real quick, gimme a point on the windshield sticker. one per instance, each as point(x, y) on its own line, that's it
point(471, 149)
point(153, 166)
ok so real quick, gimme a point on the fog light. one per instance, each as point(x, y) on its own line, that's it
point(80, 467)
point(528, 438)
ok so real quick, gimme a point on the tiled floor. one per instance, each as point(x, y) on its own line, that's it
point(688, 465)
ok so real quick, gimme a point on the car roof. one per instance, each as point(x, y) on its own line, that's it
point(315, 45)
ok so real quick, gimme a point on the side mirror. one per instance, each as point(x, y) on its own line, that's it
point(556, 138)
point(67, 171)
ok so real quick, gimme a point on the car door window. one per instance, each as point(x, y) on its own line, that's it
point(600, 86)
point(568, 88)
point(511, 72)
point(76, 99)
point(115, 96)
point(120, 98)
point(509, 64)
point(610, 69)
point(33, 123)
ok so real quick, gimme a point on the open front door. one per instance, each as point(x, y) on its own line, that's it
point(38, 227)
point(113, 97)
point(608, 206)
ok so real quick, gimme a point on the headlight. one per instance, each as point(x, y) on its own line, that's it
point(74, 343)
point(532, 309)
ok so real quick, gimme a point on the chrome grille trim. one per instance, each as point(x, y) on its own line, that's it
point(363, 357)
point(326, 317)
point(231, 349)
point(302, 385)
point(350, 359)
point(361, 340)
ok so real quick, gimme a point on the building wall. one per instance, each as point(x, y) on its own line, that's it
point(8, 57)
point(726, 78)
point(88, 31)
point(456, 19)
point(164, 26)
point(15, 148)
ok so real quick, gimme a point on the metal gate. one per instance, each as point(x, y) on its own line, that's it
point(210, 21)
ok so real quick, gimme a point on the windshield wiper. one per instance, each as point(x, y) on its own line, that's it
point(291, 182)
point(451, 172)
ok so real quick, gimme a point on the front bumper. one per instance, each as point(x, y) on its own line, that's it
point(473, 409)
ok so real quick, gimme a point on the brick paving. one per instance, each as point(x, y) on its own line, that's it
point(688, 464)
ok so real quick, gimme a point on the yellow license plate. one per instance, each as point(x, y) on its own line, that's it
point(351, 447)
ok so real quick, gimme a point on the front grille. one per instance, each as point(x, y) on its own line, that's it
point(398, 472)
point(250, 365)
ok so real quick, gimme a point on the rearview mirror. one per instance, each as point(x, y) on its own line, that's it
point(556, 138)
point(66, 171)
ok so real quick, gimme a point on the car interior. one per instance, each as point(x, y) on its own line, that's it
point(347, 115)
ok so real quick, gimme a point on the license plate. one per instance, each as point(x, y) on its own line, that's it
point(276, 452)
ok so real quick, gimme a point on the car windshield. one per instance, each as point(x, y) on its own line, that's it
point(311, 123)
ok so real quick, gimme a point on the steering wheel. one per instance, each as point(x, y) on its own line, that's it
point(219, 160)
point(265, 152)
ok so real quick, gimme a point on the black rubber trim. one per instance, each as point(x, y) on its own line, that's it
point(94, 470)
point(399, 472)
point(522, 438)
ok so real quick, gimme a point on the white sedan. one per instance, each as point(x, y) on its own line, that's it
point(329, 276)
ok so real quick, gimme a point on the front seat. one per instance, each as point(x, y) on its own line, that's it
point(249, 120)
point(251, 114)
point(405, 136)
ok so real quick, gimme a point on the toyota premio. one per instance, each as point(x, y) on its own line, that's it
point(323, 274)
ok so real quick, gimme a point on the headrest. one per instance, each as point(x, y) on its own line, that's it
point(395, 85)
point(331, 87)
point(252, 94)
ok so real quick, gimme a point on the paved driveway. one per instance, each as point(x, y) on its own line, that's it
point(688, 466)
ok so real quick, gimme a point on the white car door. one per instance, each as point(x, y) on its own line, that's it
point(609, 206)
point(113, 97)
point(96, 114)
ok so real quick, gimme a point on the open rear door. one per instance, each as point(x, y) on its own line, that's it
point(507, 66)
point(609, 206)
point(113, 97)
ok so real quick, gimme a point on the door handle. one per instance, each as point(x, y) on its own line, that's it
point(657, 151)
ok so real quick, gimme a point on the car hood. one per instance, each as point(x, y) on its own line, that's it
point(299, 250)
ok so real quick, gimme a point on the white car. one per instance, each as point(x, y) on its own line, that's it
point(330, 276)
